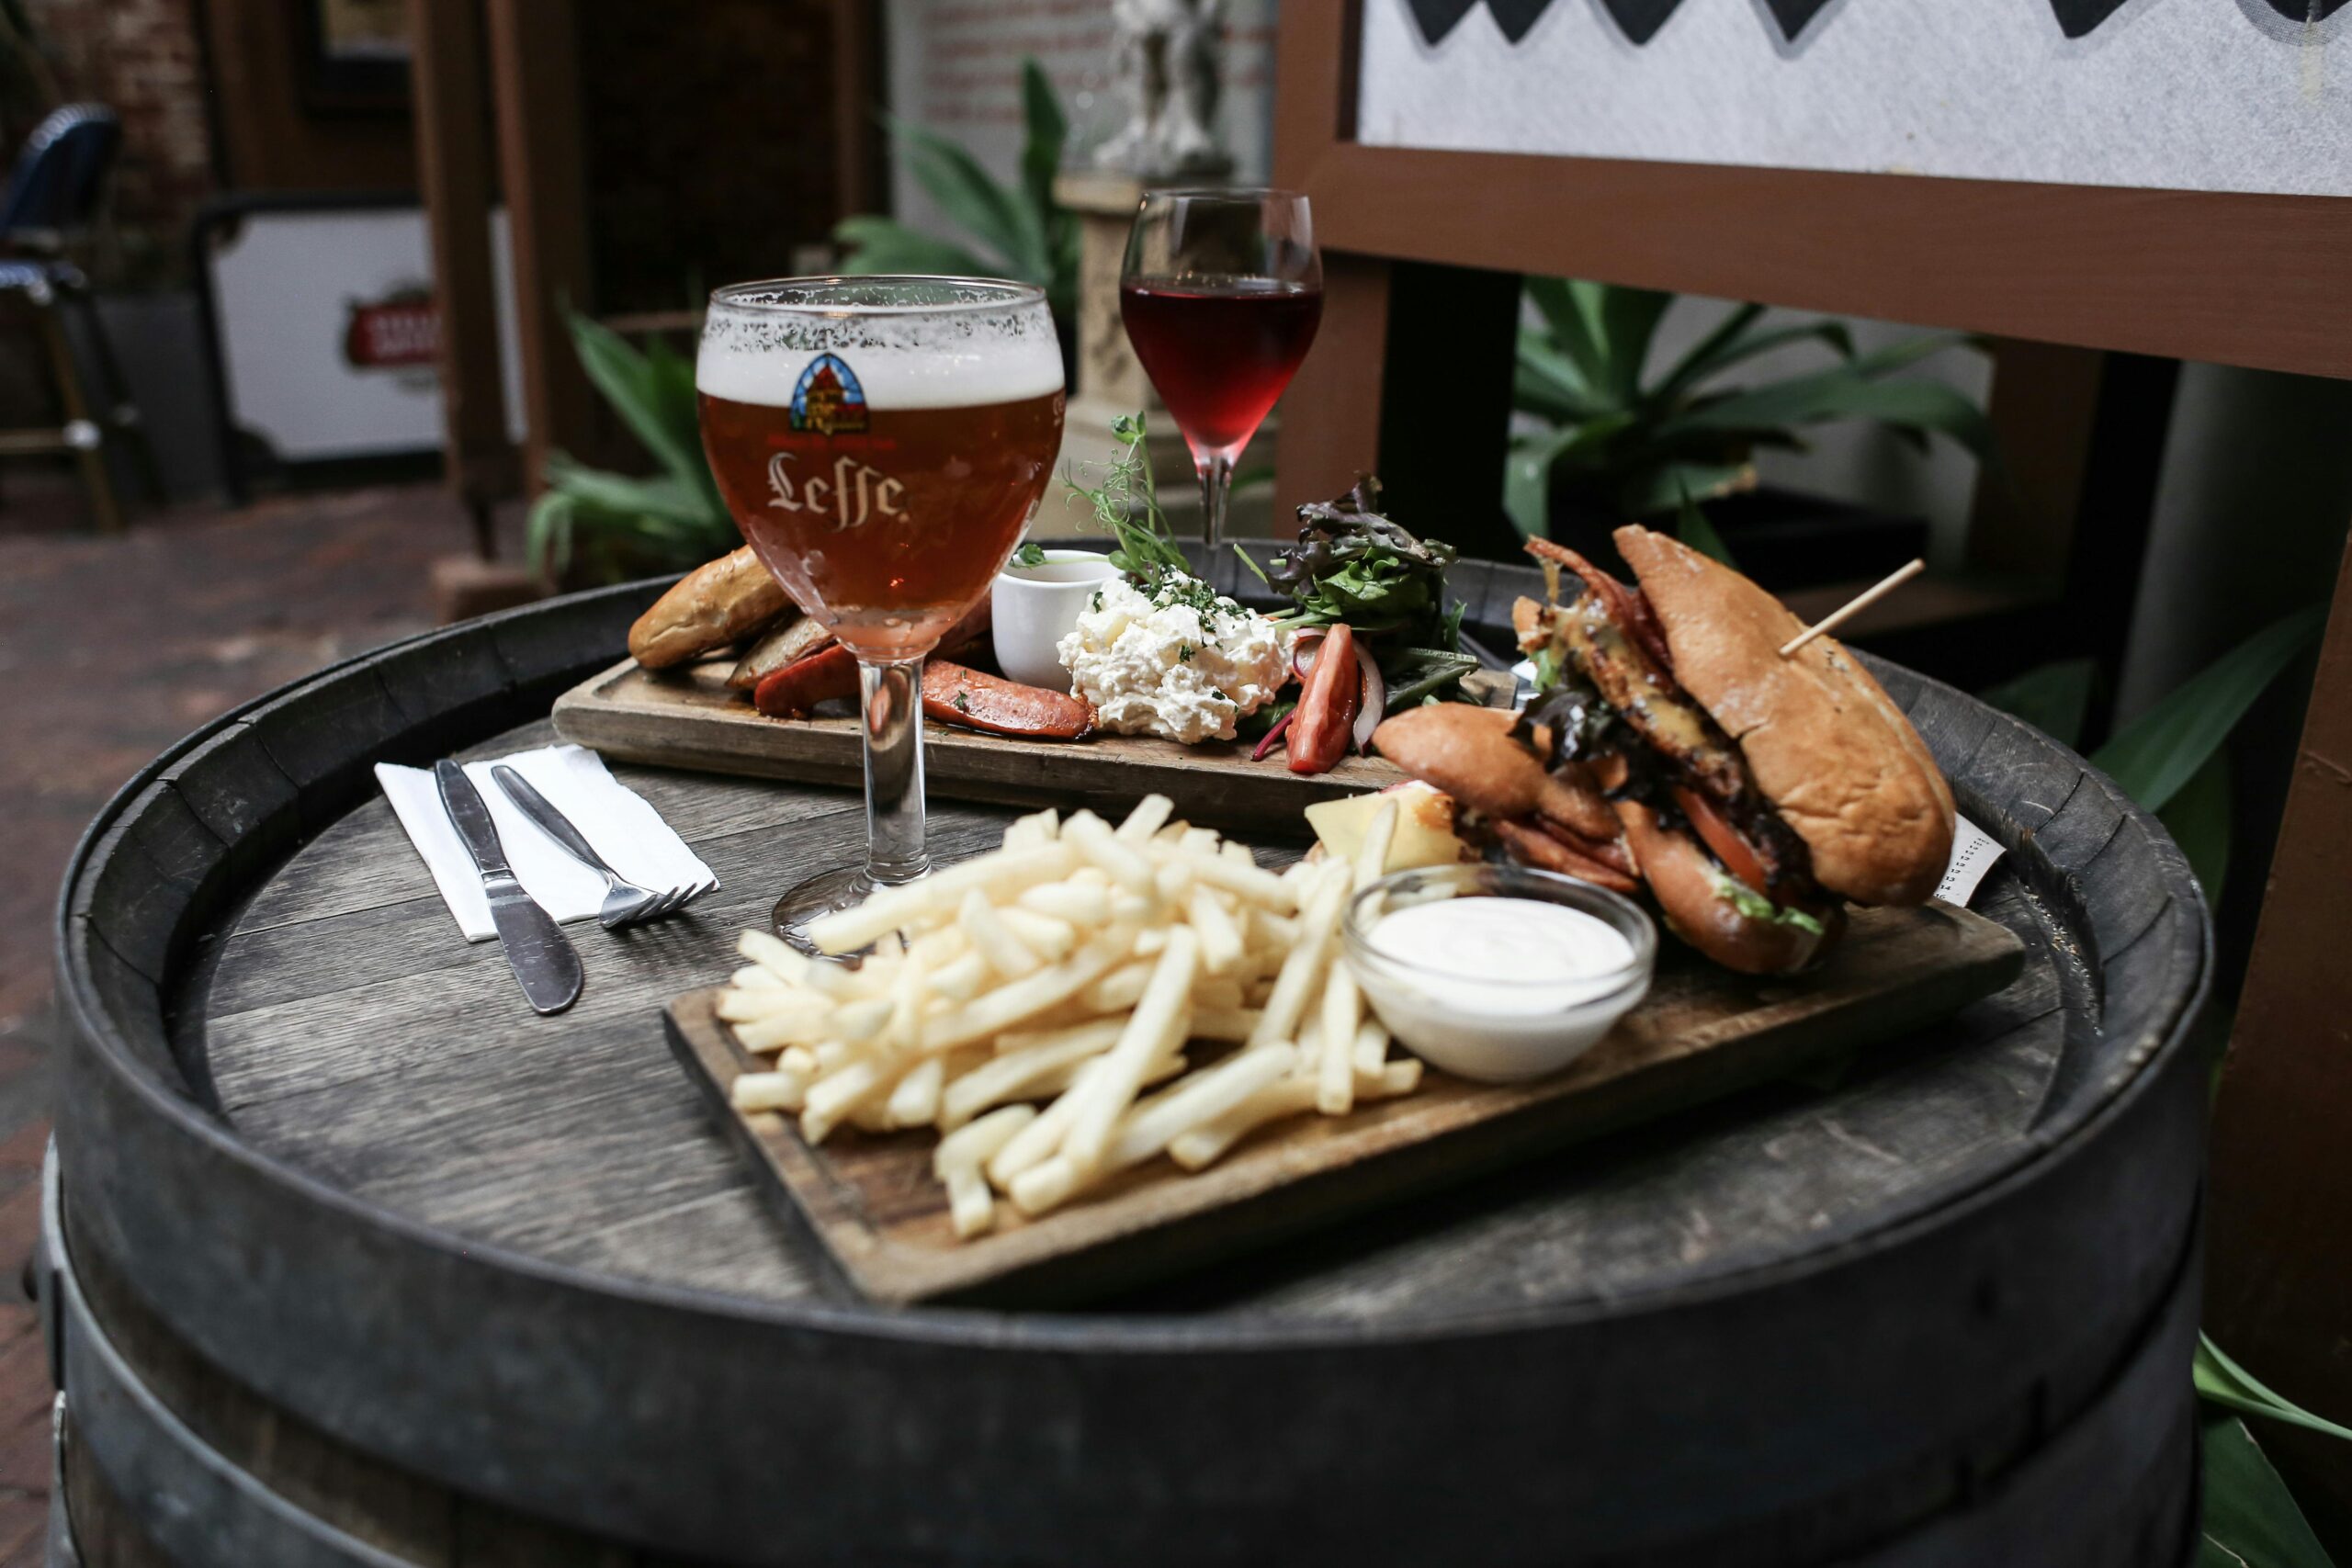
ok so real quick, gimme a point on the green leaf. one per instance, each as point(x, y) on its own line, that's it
point(546, 537)
point(650, 399)
point(885, 244)
point(1690, 526)
point(2154, 756)
point(1570, 331)
point(1646, 494)
point(1703, 356)
point(1549, 383)
point(2251, 1520)
point(663, 498)
point(2199, 820)
point(1622, 322)
point(1526, 471)
point(1851, 390)
point(974, 199)
point(2223, 1382)
point(2053, 698)
point(1711, 357)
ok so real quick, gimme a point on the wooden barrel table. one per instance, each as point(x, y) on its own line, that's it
point(356, 1261)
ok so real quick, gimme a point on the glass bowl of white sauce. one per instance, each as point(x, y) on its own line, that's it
point(1496, 973)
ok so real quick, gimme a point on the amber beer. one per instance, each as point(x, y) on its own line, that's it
point(881, 442)
point(882, 507)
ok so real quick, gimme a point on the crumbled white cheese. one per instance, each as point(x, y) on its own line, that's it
point(1181, 664)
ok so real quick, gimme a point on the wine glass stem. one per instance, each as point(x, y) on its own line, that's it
point(891, 698)
point(1217, 489)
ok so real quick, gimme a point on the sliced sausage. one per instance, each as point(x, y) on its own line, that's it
point(1533, 846)
point(792, 691)
point(954, 694)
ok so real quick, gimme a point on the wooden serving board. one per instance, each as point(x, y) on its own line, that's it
point(1701, 1032)
point(689, 719)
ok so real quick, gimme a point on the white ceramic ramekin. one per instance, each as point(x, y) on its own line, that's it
point(1032, 608)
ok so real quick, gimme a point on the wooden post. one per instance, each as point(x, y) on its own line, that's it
point(452, 171)
point(1331, 413)
point(535, 65)
point(2279, 1285)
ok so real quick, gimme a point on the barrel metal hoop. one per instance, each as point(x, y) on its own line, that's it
point(200, 1507)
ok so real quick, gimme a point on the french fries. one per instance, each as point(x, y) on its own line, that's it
point(1026, 1003)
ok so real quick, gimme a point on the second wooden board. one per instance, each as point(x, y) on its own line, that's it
point(1700, 1033)
point(689, 719)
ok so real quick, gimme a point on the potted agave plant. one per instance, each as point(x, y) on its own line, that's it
point(1018, 232)
point(593, 527)
point(1603, 437)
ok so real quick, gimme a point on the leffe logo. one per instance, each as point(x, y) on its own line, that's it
point(854, 492)
point(828, 398)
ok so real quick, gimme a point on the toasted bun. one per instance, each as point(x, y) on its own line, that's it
point(1826, 744)
point(1467, 752)
point(1681, 878)
point(711, 607)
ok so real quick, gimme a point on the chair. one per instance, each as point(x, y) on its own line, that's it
point(49, 206)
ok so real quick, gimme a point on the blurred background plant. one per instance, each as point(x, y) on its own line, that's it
point(2173, 759)
point(591, 525)
point(1600, 433)
point(1021, 232)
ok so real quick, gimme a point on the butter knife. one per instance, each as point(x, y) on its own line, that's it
point(540, 954)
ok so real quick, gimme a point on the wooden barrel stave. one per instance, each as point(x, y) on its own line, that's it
point(227, 1479)
point(432, 1275)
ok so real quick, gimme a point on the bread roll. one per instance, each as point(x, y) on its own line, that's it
point(1831, 752)
point(711, 607)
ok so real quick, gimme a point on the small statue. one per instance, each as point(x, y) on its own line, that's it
point(1167, 55)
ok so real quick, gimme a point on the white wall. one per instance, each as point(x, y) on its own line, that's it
point(2198, 95)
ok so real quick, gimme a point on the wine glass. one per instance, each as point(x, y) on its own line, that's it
point(882, 443)
point(1221, 293)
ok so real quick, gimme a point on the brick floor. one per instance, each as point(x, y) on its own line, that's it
point(110, 650)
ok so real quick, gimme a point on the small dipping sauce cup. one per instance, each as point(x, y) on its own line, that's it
point(1032, 608)
point(1496, 973)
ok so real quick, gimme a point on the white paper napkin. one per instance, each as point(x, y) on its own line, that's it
point(616, 819)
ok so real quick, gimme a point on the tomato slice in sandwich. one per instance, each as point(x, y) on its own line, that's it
point(1720, 836)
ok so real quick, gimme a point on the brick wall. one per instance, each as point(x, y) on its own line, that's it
point(139, 58)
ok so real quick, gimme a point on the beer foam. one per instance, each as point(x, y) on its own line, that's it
point(947, 375)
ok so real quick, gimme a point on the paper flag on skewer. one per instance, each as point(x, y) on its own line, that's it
point(1639, 20)
point(1438, 18)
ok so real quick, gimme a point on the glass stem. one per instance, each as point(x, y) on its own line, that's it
point(1216, 489)
point(891, 698)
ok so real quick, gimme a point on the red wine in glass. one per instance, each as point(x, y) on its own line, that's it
point(1221, 292)
point(1219, 352)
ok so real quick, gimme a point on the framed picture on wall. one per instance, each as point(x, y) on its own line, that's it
point(353, 56)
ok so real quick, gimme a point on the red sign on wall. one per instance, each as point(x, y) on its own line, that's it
point(397, 333)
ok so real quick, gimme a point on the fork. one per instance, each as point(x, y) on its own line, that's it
point(626, 904)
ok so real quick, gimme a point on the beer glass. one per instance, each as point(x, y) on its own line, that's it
point(1221, 293)
point(882, 443)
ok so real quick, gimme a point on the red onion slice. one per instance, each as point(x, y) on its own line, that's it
point(1303, 652)
point(1374, 706)
point(1272, 736)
